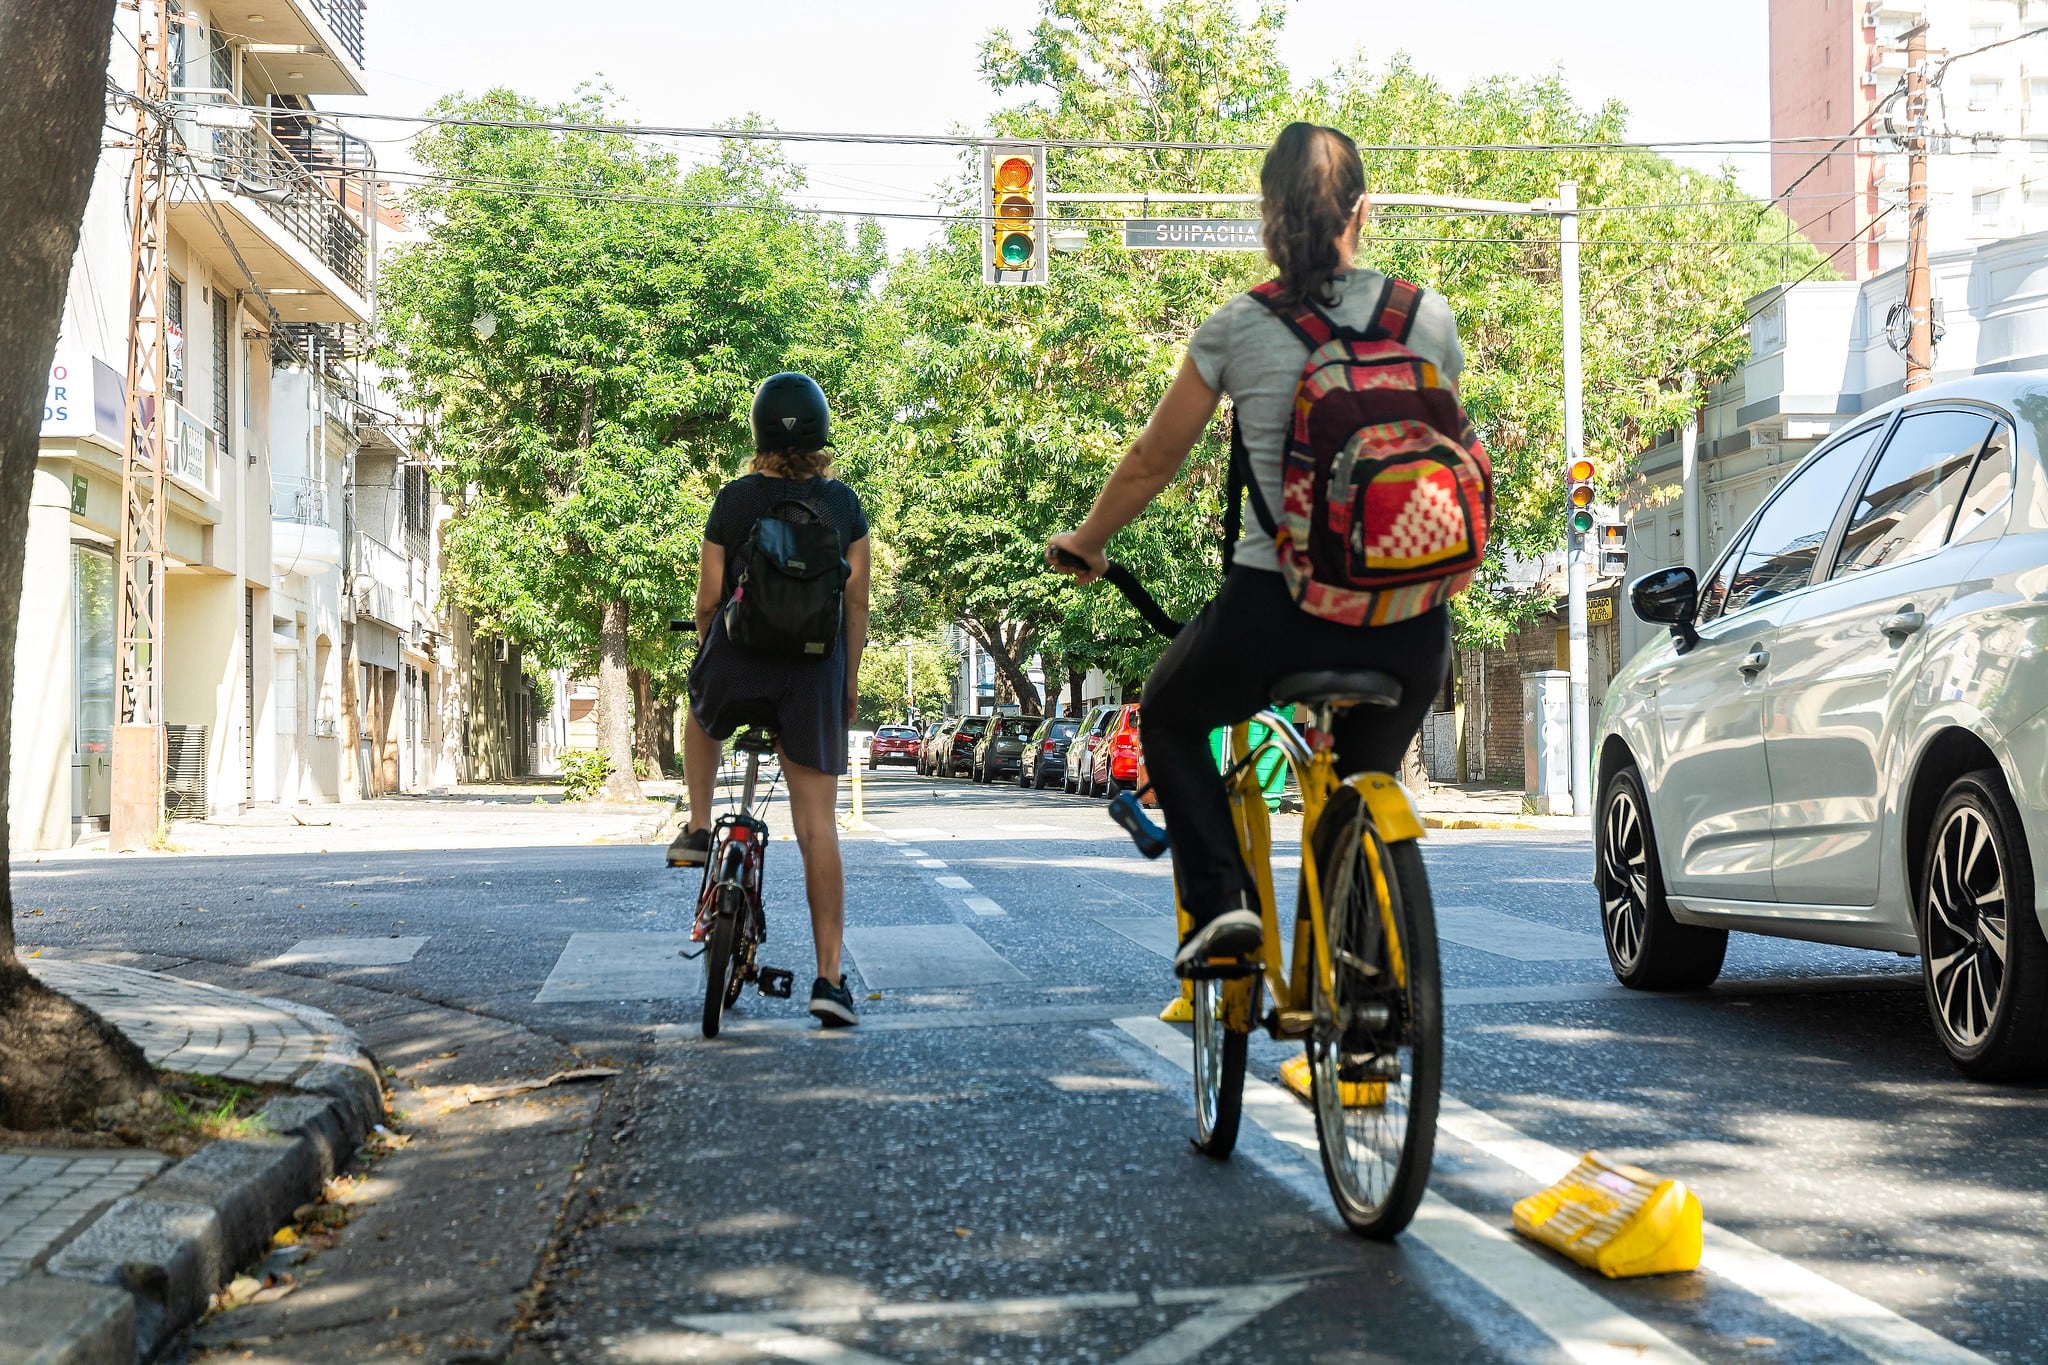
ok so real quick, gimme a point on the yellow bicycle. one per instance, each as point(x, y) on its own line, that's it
point(1357, 979)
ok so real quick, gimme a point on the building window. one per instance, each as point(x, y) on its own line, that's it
point(1986, 93)
point(1983, 35)
point(220, 368)
point(1988, 204)
point(174, 357)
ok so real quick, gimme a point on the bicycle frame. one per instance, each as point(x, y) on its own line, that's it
point(1286, 970)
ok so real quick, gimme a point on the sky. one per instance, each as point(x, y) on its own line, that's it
point(911, 66)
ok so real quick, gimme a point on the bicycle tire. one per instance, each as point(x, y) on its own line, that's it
point(1219, 1071)
point(1376, 1153)
point(717, 967)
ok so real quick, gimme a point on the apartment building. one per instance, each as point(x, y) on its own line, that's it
point(1834, 62)
point(283, 682)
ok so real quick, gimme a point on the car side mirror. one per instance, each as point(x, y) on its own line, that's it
point(1669, 597)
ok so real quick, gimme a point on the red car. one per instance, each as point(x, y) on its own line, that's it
point(893, 744)
point(1118, 755)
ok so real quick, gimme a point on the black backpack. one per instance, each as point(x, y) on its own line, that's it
point(789, 586)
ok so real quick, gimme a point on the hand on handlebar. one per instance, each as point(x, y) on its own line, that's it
point(1066, 553)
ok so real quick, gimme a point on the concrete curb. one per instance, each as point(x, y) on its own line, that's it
point(1474, 822)
point(143, 1271)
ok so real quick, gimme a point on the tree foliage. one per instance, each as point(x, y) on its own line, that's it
point(585, 321)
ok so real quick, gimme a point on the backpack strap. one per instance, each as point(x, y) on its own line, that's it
point(1395, 315)
point(1310, 324)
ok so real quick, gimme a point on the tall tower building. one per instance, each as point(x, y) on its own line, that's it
point(1835, 65)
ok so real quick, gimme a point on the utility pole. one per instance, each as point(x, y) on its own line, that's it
point(1919, 281)
point(138, 758)
point(1576, 543)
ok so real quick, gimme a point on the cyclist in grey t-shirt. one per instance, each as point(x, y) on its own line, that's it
point(1218, 669)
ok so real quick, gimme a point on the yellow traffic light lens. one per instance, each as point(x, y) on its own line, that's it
point(1015, 250)
point(1013, 175)
point(1582, 471)
point(1582, 495)
point(1013, 208)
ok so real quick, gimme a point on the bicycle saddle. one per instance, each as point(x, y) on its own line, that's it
point(1341, 686)
point(755, 739)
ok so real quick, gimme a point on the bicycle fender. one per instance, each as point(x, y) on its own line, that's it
point(1393, 809)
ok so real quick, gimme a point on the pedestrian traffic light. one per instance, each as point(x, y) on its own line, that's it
point(1579, 498)
point(1013, 247)
point(1613, 546)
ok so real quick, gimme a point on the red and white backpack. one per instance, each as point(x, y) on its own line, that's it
point(1386, 492)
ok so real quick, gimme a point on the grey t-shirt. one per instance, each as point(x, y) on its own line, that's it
point(1245, 350)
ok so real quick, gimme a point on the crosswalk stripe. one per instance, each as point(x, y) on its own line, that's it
point(1513, 936)
point(902, 956)
point(982, 905)
point(596, 967)
point(350, 952)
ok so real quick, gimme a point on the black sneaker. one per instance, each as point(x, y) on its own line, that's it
point(1227, 945)
point(691, 848)
point(833, 1005)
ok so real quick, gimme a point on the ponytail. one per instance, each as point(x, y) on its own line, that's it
point(1309, 188)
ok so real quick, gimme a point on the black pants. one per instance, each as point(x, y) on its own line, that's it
point(1217, 672)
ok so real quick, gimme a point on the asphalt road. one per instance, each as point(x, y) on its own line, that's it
point(994, 1166)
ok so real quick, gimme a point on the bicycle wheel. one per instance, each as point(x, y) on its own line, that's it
point(1219, 1071)
point(719, 988)
point(1376, 1053)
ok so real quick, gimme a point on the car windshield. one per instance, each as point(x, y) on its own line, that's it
point(973, 725)
point(896, 732)
point(1019, 729)
point(1063, 729)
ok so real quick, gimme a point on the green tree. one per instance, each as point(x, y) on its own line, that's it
point(882, 671)
point(585, 321)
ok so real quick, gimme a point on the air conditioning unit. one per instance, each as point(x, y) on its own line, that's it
point(1870, 18)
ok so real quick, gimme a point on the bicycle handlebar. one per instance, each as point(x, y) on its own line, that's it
point(1125, 582)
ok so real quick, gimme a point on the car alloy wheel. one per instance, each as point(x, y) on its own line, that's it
point(1966, 927)
point(1625, 889)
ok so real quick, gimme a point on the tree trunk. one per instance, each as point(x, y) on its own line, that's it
point(665, 736)
point(615, 703)
point(1414, 773)
point(58, 1060)
point(1074, 680)
point(1008, 648)
point(646, 722)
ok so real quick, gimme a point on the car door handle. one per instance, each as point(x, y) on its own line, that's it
point(1900, 624)
point(1755, 661)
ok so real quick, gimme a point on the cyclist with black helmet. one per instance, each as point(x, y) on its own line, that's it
point(808, 702)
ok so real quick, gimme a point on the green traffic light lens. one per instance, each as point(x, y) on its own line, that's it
point(1582, 520)
point(1015, 250)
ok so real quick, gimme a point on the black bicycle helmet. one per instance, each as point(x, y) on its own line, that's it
point(790, 413)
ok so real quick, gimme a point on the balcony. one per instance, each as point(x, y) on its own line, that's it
point(291, 198)
point(383, 580)
point(302, 535)
point(314, 46)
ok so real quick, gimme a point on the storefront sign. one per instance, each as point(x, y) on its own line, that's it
point(1598, 610)
point(79, 489)
point(84, 399)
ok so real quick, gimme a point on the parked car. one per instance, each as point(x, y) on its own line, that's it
point(956, 756)
point(1082, 747)
point(1844, 738)
point(928, 751)
point(1116, 758)
point(1000, 751)
point(893, 744)
point(1046, 751)
point(857, 742)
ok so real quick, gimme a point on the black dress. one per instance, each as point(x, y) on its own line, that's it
point(803, 700)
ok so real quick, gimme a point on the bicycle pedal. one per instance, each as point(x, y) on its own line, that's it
point(1219, 969)
point(1380, 1067)
point(777, 983)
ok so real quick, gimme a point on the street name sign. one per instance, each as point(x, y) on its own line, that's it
point(1192, 234)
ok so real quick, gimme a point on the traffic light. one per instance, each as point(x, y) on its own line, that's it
point(1013, 245)
point(1579, 498)
point(1613, 546)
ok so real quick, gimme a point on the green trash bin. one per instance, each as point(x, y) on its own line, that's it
point(1271, 766)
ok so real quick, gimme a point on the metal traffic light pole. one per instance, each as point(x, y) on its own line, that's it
point(1564, 208)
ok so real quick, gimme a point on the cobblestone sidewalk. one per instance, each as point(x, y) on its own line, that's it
point(188, 1026)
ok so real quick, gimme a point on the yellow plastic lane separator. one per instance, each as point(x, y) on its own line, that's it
point(1357, 1094)
point(854, 819)
point(1617, 1219)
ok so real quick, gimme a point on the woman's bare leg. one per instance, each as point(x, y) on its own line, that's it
point(700, 771)
point(813, 802)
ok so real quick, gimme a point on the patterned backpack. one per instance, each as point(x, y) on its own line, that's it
point(1386, 491)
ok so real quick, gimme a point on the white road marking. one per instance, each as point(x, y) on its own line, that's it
point(1786, 1285)
point(931, 862)
point(982, 905)
point(349, 952)
point(954, 883)
point(1224, 1310)
point(622, 967)
point(1584, 1325)
point(1726, 989)
point(913, 835)
point(1155, 933)
point(901, 956)
point(1029, 829)
point(1515, 937)
point(911, 852)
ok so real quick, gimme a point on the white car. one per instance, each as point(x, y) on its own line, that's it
point(1845, 737)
